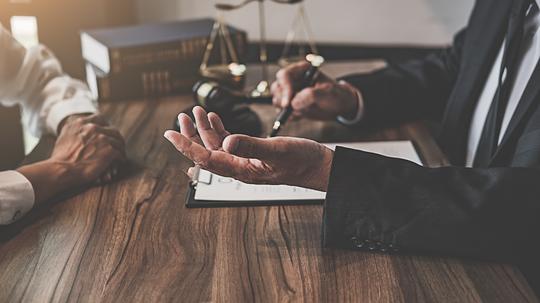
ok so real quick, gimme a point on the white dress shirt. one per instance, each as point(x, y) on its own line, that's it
point(33, 78)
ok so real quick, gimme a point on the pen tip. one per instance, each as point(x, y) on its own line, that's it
point(274, 132)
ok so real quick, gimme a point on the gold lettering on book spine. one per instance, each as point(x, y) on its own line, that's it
point(116, 61)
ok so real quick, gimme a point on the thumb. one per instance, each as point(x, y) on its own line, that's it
point(249, 147)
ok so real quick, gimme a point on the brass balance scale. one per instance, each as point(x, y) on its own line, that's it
point(231, 71)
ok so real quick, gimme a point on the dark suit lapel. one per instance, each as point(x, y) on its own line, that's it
point(485, 35)
point(527, 100)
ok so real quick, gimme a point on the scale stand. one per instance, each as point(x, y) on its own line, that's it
point(300, 20)
point(230, 72)
point(263, 88)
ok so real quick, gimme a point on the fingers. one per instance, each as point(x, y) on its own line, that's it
point(211, 130)
point(110, 147)
point(296, 116)
point(109, 153)
point(105, 178)
point(187, 128)
point(103, 136)
point(117, 145)
point(111, 132)
point(286, 79)
point(113, 135)
point(210, 136)
point(106, 170)
point(94, 125)
point(109, 176)
point(275, 89)
point(209, 127)
point(217, 125)
point(96, 119)
point(195, 152)
point(95, 148)
point(251, 147)
point(305, 99)
point(216, 161)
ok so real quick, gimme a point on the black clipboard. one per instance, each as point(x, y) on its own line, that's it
point(192, 203)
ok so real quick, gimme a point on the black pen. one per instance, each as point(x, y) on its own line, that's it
point(307, 80)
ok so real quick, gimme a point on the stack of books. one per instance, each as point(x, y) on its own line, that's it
point(149, 60)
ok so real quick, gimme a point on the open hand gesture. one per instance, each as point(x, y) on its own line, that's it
point(280, 160)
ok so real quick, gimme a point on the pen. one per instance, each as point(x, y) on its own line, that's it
point(307, 80)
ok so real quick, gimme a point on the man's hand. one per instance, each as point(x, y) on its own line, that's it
point(89, 147)
point(326, 100)
point(86, 149)
point(281, 160)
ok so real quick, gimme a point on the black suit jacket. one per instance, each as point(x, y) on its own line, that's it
point(384, 204)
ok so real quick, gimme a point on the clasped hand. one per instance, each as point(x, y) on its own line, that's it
point(281, 160)
point(87, 150)
point(90, 147)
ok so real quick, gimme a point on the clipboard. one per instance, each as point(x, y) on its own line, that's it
point(191, 202)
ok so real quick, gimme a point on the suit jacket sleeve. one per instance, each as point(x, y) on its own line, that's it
point(385, 204)
point(412, 90)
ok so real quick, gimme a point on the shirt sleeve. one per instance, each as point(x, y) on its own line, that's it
point(359, 113)
point(33, 78)
point(16, 196)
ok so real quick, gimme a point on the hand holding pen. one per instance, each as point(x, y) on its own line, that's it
point(322, 99)
point(307, 80)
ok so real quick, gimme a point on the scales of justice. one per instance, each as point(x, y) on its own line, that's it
point(231, 71)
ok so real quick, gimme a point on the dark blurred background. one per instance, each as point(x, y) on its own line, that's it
point(59, 23)
point(343, 29)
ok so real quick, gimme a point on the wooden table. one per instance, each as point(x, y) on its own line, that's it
point(134, 240)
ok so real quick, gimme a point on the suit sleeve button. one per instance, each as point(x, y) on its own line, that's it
point(357, 243)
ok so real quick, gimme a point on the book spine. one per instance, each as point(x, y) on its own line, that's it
point(116, 60)
point(241, 44)
point(179, 53)
point(144, 84)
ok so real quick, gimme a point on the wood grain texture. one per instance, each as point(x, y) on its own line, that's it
point(134, 241)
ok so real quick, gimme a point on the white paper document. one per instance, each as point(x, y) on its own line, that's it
point(212, 187)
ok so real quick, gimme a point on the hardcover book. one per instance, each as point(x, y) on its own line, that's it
point(121, 49)
point(142, 84)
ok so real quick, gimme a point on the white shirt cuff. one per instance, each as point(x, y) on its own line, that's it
point(359, 113)
point(66, 108)
point(16, 196)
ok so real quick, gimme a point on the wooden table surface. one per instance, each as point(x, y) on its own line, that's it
point(134, 240)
